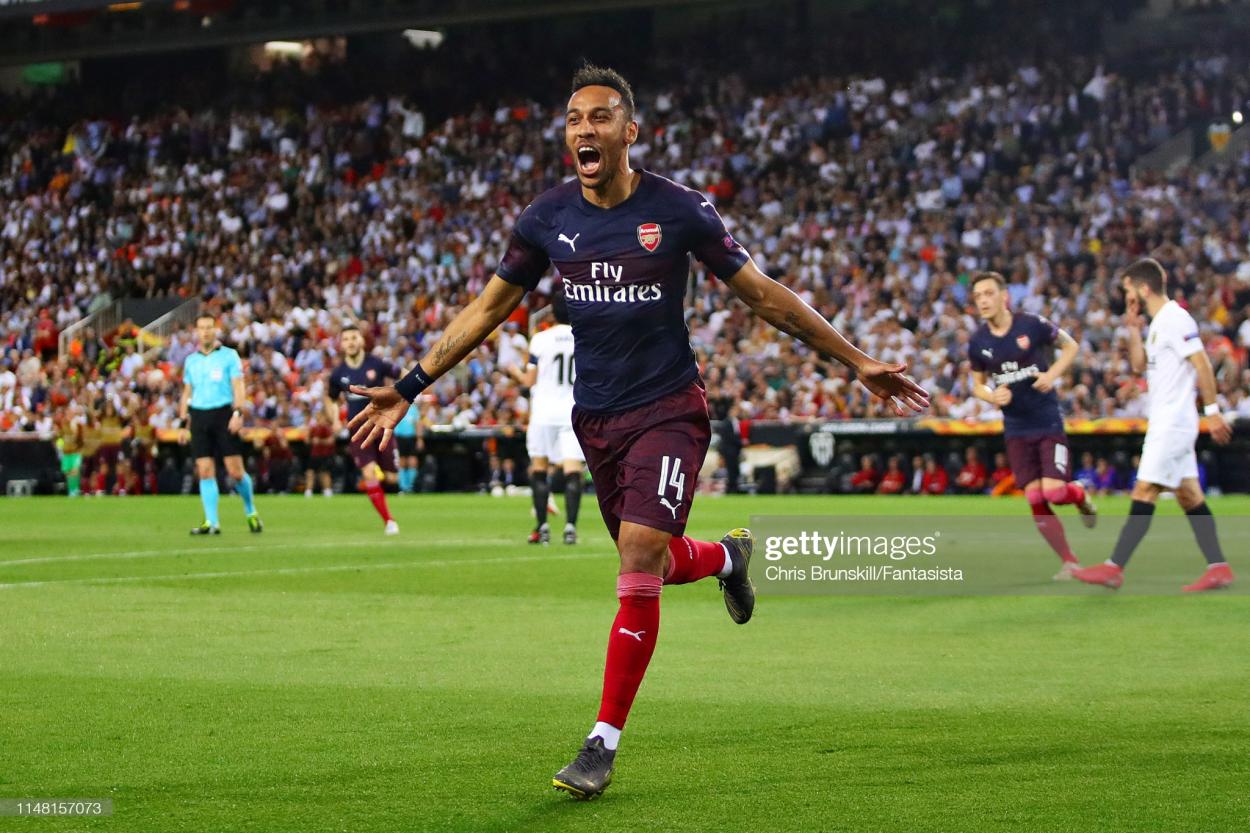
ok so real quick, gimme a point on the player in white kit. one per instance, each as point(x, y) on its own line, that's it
point(550, 439)
point(1175, 361)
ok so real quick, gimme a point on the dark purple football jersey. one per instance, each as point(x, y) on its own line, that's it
point(1016, 359)
point(625, 271)
point(371, 373)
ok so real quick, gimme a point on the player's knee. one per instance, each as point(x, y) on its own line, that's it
point(1056, 494)
point(205, 469)
point(1034, 495)
point(1189, 495)
point(642, 549)
point(1148, 492)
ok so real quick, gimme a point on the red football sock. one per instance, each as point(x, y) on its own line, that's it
point(378, 498)
point(1072, 492)
point(690, 560)
point(630, 645)
point(1049, 525)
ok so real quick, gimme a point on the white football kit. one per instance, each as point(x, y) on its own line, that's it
point(1167, 455)
point(550, 431)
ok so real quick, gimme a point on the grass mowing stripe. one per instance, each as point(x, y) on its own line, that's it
point(351, 542)
point(330, 568)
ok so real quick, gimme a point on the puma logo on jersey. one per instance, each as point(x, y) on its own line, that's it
point(572, 241)
point(635, 634)
point(988, 353)
point(670, 507)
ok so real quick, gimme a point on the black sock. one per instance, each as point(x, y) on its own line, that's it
point(572, 496)
point(1203, 524)
point(541, 489)
point(1134, 530)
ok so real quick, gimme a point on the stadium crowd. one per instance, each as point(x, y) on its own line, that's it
point(874, 200)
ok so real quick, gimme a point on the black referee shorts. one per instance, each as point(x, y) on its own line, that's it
point(210, 433)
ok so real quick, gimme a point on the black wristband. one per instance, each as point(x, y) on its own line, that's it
point(410, 386)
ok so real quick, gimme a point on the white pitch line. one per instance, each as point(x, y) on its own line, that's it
point(331, 568)
point(353, 542)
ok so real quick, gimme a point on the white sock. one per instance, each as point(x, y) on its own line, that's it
point(729, 564)
point(610, 734)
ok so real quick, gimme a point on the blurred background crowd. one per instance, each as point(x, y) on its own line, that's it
point(309, 196)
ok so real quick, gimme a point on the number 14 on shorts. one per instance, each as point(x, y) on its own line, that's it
point(671, 476)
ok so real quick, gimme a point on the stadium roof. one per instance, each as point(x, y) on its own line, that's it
point(44, 30)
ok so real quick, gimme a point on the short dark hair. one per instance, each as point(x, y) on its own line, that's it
point(347, 328)
point(589, 75)
point(989, 276)
point(559, 308)
point(204, 315)
point(1148, 272)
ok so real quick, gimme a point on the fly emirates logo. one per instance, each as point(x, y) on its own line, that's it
point(606, 288)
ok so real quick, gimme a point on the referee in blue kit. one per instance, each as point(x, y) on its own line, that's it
point(213, 393)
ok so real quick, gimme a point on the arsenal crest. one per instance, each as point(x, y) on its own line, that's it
point(1023, 342)
point(649, 236)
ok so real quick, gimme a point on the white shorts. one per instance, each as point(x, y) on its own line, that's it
point(1167, 458)
point(555, 442)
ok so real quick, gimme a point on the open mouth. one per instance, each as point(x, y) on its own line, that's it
point(589, 160)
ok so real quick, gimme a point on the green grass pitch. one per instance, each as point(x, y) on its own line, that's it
point(322, 677)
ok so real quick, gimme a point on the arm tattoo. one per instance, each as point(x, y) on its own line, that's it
point(792, 325)
point(447, 346)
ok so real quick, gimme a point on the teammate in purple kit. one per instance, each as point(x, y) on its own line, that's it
point(1015, 351)
point(377, 465)
point(621, 240)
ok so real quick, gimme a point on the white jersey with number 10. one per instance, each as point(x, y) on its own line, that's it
point(551, 398)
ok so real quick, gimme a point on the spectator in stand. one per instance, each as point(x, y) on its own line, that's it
point(1002, 470)
point(1087, 474)
point(865, 480)
point(894, 481)
point(972, 477)
point(126, 481)
point(1105, 479)
point(917, 474)
point(935, 480)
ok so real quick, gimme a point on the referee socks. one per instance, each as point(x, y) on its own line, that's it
point(209, 496)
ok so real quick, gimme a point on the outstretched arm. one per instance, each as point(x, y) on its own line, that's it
point(786, 311)
point(387, 405)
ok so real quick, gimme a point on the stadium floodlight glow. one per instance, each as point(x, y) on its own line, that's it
point(424, 38)
point(1237, 117)
point(285, 47)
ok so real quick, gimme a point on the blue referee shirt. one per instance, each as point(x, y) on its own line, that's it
point(210, 376)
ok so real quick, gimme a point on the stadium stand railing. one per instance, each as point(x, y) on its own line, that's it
point(1171, 156)
point(104, 319)
point(180, 317)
